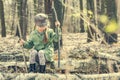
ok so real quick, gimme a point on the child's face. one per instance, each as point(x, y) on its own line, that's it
point(41, 29)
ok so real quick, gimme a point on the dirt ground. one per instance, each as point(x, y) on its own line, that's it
point(11, 54)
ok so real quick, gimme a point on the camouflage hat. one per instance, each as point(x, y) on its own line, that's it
point(41, 19)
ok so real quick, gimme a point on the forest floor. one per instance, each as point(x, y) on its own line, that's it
point(77, 58)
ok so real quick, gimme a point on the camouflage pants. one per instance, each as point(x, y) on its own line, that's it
point(36, 56)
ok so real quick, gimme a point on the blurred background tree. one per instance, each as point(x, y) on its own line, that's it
point(75, 16)
point(3, 27)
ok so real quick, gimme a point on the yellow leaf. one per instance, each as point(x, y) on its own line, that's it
point(103, 19)
point(111, 27)
point(90, 12)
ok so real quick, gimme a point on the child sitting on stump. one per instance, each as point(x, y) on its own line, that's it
point(41, 43)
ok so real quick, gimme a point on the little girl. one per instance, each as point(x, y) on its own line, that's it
point(41, 43)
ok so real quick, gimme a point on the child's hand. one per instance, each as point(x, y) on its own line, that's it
point(57, 23)
point(21, 41)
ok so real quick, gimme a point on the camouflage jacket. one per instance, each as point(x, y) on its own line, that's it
point(35, 41)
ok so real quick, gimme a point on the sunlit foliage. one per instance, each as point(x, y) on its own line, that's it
point(111, 27)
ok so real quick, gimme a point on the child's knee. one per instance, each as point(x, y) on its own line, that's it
point(41, 52)
point(42, 57)
point(33, 51)
point(33, 54)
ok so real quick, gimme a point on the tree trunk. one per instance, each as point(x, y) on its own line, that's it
point(48, 6)
point(25, 15)
point(22, 14)
point(59, 10)
point(39, 6)
point(111, 12)
point(13, 16)
point(91, 33)
point(81, 21)
point(3, 32)
point(95, 13)
point(118, 14)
